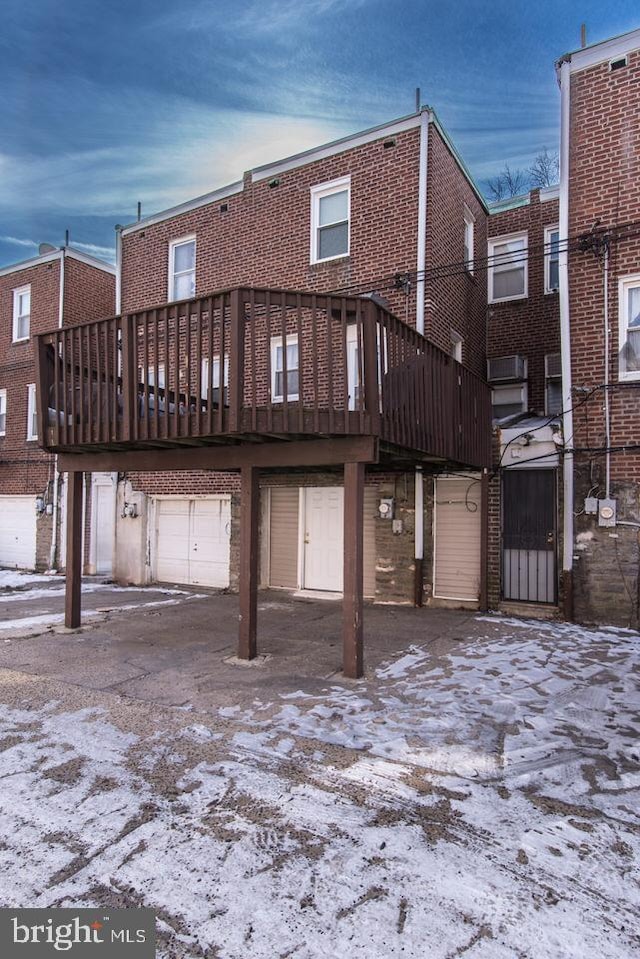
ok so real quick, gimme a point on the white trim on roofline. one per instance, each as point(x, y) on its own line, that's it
point(57, 255)
point(269, 170)
point(336, 146)
point(550, 193)
point(33, 261)
point(220, 194)
point(89, 260)
point(601, 52)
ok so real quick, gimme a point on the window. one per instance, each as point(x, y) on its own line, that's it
point(215, 379)
point(508, 400)
point(508, 268)
point(32, 413)
point(553, 383)
point(182, 268)
point(469, 221)
point(629, 313)
point(551, 259)
point(330, 204)
point(151, 376)
point(3, 412)
point(277, 369)
point(21, 313)
point(456, 346)
point(353, 366)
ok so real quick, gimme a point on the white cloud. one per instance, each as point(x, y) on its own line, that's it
point(16, 241)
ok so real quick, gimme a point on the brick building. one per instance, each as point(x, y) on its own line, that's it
point(406, 209)
point(600, 320)
point(59, 286)
point(524, 371)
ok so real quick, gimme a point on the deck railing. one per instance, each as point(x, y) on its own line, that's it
point(257, 364)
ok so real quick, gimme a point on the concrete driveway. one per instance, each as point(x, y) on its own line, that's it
point(475, 795)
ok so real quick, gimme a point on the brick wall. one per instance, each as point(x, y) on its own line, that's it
point(603, 186)
point(530, 326)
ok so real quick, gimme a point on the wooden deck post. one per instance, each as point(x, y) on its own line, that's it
point(352, 644)
point(483, 598)
point(249, 551)
point(236, 360)
point(72, 603)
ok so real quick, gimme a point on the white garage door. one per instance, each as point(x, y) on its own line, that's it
point(192, 541)
point(18, 532)
point(457, 538)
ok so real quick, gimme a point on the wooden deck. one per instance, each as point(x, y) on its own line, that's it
point(202, 373)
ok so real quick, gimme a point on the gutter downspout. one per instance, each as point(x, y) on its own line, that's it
point(565, 343)
point(607, 411)
point(118, 269)
point(56, 478)
point(425, 120)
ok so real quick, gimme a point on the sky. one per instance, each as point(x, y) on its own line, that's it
point(105, 104)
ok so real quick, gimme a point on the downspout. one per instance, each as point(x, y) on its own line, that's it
point(425, 120)
point(565, 343)
point(118, 269)
point(607, 411)
point(56, 478)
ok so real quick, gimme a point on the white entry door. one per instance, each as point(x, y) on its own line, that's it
point(18, 532)
point(103, 522)
point(323, 538)
point(192, 541)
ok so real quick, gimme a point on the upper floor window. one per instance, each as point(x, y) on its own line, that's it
point(469, 224)
point(551, 259)
point(21, 313)
point(629, 330)
point(182, 268)
point(508, 268)
point(3, 412)
point(330, 213)
point(278, 370)
point(32, 413)
point(215, 379)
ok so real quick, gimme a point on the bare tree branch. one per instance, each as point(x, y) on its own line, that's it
point(545, 169)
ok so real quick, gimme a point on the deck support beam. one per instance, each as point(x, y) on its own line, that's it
point(72, 596)
point(249, 552)
point(352, 640)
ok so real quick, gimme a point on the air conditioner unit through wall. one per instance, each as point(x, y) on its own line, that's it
point(504, 368)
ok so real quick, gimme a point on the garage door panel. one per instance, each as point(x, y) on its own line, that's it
point(457, 539)
point(18, 532)
point(192, 541)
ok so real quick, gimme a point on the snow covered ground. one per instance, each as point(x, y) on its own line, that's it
point(479, 803)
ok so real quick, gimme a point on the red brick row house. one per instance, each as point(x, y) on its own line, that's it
point(600, 328)
point(295, 390)
point(346, 218)
point(524, 372)
point(60, 286)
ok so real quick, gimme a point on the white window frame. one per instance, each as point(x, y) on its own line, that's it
point(32, 412)
point(215, 375)
point(625, 283)
point(17, 293)
point(457, 342)
point(469, 232)
point(3, 411)
point(548, 231)
point(276, 341)
point(151, 370)
point(497, 241)
point(173, 245)
point(318, 193)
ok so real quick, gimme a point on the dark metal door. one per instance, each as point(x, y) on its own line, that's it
point(529, 535)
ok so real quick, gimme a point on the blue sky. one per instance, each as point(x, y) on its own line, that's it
point(104, 104)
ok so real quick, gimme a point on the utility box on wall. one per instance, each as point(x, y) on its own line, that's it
point(385, 508)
